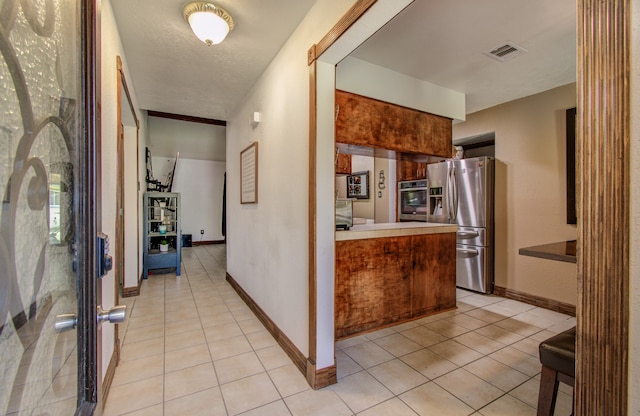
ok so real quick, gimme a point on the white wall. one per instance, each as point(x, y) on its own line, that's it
point(363, 78)
point(267, 242)
point(364, 208)
point(634, 254)
point(199, 175)
point(386, 204)
point(193, 140)
point(111, 47)
point(200, 184)
point(132, 264)
point(530, 189)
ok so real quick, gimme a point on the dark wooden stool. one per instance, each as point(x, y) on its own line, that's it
point(558, 358)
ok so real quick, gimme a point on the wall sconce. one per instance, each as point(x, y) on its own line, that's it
point(255, 119)
point(381, 179)
point(210, 23)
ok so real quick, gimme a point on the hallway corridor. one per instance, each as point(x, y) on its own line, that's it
point(192, 347)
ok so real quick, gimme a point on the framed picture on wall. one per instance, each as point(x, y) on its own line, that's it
point(358, 185)
point(249, 174)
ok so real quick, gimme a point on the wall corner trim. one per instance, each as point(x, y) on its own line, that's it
point(324, 377)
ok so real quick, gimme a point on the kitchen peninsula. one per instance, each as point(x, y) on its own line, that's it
point(394, 272)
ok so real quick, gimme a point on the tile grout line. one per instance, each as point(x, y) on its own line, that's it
point(219, 385)
point(214, 282)
point(422, 324)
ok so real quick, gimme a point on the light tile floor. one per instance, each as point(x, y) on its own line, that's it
point(192, 347)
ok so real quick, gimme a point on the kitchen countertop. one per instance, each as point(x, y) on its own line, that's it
point(394, 229)
point(561, 251)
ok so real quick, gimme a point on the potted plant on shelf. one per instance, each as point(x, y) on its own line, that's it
point(164, 245)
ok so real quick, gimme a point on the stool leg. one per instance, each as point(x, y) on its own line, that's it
point(548, 391)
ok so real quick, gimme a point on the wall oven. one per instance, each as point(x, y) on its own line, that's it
point(412, 200)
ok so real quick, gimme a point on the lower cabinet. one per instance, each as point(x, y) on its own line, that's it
point(434, 263)
point(382, 281)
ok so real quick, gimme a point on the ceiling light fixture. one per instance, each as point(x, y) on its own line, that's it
point(210, 23)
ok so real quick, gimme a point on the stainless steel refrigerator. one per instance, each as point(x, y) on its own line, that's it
point(462, 192)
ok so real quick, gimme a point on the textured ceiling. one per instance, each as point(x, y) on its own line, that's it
point(438, 41)
point(172, 71)
point(442, 42)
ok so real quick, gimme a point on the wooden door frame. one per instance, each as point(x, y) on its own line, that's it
point(119, 220)
point(122, 86)
point(603, 62)
point(603, 174)
point(323, 377)
point(120, 257)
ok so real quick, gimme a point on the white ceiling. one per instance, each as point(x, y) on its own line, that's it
point(174, 72)
point(443, 42)
point(438, 41)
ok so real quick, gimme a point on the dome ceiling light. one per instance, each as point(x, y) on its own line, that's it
point(210, 23)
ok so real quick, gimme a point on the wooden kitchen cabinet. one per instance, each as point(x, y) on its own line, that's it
point(364, 121)
point(373, 283)
point(407, 170)
point(343, 163)
point(382, 281)
point(436, 258)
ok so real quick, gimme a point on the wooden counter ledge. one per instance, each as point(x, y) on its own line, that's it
point(394, 229)
point(560, 251)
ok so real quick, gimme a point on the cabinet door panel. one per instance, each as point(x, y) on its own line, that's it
point(381, 281)
point(364, 121)
point(343, 163)
point(407, 170)
point(373, 283)
point(434, 278)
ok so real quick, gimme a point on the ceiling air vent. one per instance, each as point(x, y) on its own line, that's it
point(505, 52)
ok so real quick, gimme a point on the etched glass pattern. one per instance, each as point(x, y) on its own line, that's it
point(40, 86)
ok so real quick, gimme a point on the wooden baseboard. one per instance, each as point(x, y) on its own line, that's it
point(539, 301)
point(132, 291)
point(289, 348)
point(316, 378)
point(204, 243)
point(108, 377)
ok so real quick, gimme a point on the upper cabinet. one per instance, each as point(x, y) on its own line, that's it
point(407, 170)
point(343, 163)
point(363, 121)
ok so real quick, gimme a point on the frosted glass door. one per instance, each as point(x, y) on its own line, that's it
point(40, 139)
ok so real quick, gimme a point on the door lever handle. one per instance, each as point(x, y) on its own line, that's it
point(114, 315)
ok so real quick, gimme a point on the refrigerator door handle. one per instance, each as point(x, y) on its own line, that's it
point(454, 194)
point(467, 251)
point(448, 194)
point(468, 234)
